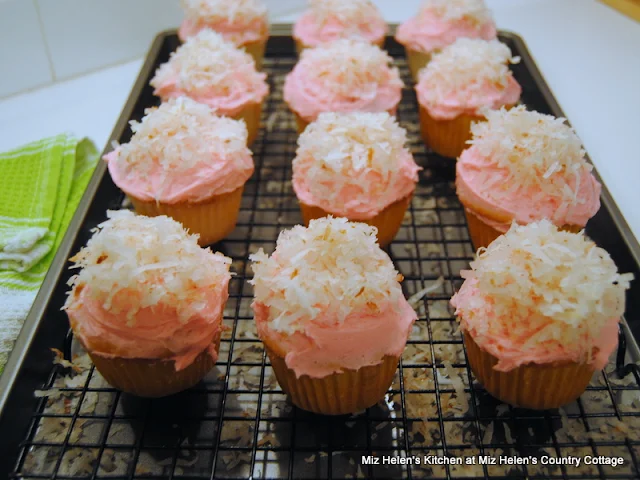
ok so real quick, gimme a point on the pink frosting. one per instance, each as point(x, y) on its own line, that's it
point(511, 351)
point(156, 333)
point(358, 203)
point(468, 102)
point(327, 347)
point(311, 33)
point(483, 186)
point(209, 177)
point(307, 95)
point(242, 94)
point(427, 32)
point(238, 32)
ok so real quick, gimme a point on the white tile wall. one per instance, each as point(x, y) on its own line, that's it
point(54, 40)
point(85, 35)
point(23, 53)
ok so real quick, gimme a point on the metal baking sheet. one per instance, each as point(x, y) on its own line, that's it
point(237, 423)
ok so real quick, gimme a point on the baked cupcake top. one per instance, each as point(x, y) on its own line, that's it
point(211, 70)
point(540, 295)
point(239, 21)
point(347, 75)
point(328, 20)
point(182, 151)
point(441, 22)
point(147, 290)
point(330, 298)
point(526, 166)
point(468, 77)
point(353, 164)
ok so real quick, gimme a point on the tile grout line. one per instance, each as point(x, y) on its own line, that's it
point(52, 69)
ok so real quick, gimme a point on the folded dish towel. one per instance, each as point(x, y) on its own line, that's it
point(40, 187)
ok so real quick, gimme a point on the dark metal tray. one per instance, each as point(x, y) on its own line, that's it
point(237, 422)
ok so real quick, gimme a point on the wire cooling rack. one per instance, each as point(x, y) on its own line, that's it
point(238, 423)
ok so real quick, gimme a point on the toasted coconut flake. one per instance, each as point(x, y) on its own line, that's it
point(452, 10)
point(343, 150)
point(155, 258)
point(214, 11)
point(458, 385)
point(414, 300)
point(51, 393)
point(348, 12)
point(207, 64)
point(180, 134)
point(550, 288)
point(323, 268)
point(350, 67)
point(468, 65)
point(535, 150)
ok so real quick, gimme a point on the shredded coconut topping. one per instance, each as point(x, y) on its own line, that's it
point(339, 149)
point(213, 11)
point(350, 67)
point(178, 135)
point(149, 261)
point(535, 149)
point(452, 10)
point(544, 287)
point(333, 266)
point(349, 12)
point(468, 65)
point(207, 64)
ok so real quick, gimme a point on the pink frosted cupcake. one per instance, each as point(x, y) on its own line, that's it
point(329, 20)
point(539, 310)
point(242, 22)
point(347, 75)
point(458, 86)
point(440, 23)
point(524, 166)
point(355, 165)
point(186, 162)
point(213, 71)
point(330, 311)
point(147, 304)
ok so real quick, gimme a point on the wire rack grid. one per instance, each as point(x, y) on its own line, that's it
point(237, 423)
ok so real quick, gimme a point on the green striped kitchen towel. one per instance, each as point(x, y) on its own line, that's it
point(40, 187)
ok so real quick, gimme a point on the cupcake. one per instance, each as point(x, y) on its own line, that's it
point(329, 20)
point(331, 314)
point(147, 304)
point(242, 22)
point(458, 86)
point(440, 23)
point(347, 75)
point(355, 165)
point(539, 311)
point(213, 71)
point(524, 166)
point(185, 162)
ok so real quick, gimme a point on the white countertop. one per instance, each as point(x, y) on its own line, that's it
point(587, 52)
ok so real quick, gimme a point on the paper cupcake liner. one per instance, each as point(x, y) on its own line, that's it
point(417, 61)
point(256, 50)
point(339, 393)
point(538, 387)
point(301, 123)
point(388, 221)
point(446, 137)
point(151, 377)
point(482, 234)
point(213, 219)
point(251, 114)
